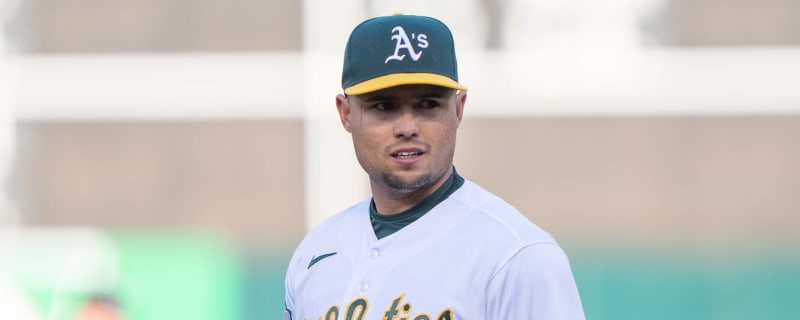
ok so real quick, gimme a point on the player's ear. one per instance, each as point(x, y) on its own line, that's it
point(343, 107)
point(461, 99)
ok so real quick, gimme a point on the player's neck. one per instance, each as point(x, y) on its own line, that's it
point(390, 201)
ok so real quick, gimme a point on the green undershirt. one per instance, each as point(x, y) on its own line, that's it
point(387, 225)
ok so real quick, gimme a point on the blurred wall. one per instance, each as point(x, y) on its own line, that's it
point(709, 181)
point(241, 178)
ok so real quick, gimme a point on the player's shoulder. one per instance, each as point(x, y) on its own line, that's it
point(347, 219)
point(497, 217)
point(331, 233)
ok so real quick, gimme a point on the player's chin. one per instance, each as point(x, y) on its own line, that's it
point(407, 181)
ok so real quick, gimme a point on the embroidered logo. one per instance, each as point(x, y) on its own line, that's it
point(403, 42)
point(314, 260)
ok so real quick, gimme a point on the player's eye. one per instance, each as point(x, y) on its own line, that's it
point(382, 106)
point(429, 103)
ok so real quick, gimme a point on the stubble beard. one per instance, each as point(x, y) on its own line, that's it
point(398, 185)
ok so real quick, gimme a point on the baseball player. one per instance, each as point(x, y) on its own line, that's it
point(427, 244)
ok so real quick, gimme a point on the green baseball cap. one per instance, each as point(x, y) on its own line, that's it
point(389, 51)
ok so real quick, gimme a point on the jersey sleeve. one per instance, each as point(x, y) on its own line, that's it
point(537, 284)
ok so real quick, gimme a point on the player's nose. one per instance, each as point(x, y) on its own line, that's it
point(406, 125)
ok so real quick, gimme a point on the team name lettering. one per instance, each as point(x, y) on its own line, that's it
point(332, 314)
point(355, 311)
point(402, 42)
point(398, 310)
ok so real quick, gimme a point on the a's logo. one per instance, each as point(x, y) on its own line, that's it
point(403, 42)
point(314, 260)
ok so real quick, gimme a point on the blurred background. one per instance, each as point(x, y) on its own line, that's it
point(161, 159)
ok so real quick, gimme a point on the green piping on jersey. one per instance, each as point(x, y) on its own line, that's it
point(387, 225)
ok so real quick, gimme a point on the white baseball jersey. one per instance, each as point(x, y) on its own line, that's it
point(472, 257)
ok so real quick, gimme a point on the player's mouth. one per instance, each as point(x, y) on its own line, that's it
point(407, 156)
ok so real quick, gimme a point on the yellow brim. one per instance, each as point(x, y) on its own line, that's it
point(398, 79)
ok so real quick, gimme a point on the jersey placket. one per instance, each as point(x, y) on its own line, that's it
point(364, 277)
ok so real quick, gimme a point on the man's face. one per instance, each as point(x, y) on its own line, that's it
point(404, 136)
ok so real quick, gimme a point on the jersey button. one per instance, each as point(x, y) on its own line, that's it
point(374, 253)
point(364, 286)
